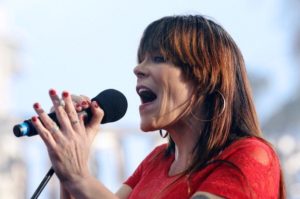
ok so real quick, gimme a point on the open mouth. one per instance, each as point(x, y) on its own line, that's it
point(146, 95)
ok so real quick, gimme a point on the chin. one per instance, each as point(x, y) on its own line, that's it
point(147, 127)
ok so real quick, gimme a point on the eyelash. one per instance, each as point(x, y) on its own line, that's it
point(158, 59)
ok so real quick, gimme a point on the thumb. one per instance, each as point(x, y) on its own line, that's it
point(93, 126)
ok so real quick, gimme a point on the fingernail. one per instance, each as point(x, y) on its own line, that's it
point(65, 94)
point(52, 92)
point(34, 118)
point(84, 103)
point(36, 105)
point(95, 104)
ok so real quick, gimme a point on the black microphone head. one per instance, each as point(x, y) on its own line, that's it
point(113, 103)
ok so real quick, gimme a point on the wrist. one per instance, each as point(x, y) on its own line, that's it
point(88, 187)
point(78, 185)
point(69, 177)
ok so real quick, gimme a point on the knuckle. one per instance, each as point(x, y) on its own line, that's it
point(100, 112)
point(46, 134)
point(72, 114)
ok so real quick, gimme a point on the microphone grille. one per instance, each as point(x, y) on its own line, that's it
point(113, 103)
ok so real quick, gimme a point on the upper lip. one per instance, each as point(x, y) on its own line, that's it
point(139, 87)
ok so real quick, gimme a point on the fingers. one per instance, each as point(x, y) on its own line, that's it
point(84, 102)
point(81, 102)
point(77, 102)
point(75, 121)
point(67, 116)
point(43, 132)
point(46, 127)
point(59, 107)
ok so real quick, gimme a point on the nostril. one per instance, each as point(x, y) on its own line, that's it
point(140, 74)
point(142, 70)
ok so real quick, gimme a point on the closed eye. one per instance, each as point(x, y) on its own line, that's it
point(158, 59)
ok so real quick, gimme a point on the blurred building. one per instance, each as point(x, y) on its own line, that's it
point(283, 127)
point(12, 167)
point(116, 152)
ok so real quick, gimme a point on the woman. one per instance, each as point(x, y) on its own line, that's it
point(192, 82)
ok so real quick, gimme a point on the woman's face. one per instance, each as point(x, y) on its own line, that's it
point(164, 93)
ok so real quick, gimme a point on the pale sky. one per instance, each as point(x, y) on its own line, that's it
point(87, 46)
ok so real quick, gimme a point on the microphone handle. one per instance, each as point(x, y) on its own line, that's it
point(27, 129)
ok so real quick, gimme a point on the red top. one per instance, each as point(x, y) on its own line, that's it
point(254, 173)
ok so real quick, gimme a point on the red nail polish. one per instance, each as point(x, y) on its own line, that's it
point(65, 94)
point(36, 105)
point(34, 118)
point(52, 92)
point(96, 104)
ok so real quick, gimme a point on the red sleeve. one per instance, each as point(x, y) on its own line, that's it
point(138, 173)
point(250, 170)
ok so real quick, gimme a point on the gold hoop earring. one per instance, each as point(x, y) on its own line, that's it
point(161, 134)
point(222, 111)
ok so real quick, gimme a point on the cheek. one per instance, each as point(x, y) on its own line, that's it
point(172, 98)
point(165, 102)
point(174, 104)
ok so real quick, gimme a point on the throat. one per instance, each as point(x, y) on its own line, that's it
point(182, 160)
point(178, 167)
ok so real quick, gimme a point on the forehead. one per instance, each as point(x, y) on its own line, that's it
point(155, 40)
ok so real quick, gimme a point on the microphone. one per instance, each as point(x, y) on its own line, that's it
point(113, 103)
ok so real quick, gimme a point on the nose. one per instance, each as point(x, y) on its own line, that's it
point(140, 71)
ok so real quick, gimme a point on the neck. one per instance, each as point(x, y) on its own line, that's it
point(185, 135)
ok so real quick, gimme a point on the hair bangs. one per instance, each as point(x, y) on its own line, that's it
point(156, 39)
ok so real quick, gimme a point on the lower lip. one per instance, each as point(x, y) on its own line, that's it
point(146, 106)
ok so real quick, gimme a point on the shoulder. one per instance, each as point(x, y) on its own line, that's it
point(160, 148)
point(155, 155)
point(146, 165)
point(247, 167)
point(158, 151)
point(250, 142)
point(253, 149)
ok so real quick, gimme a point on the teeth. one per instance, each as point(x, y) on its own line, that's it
point(142, 89)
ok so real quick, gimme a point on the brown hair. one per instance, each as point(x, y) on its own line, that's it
point(208, 56)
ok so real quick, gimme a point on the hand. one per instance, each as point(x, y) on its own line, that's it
point(69, 145)
point(80, 103)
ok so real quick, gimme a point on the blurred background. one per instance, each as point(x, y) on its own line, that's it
point(88, 46)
